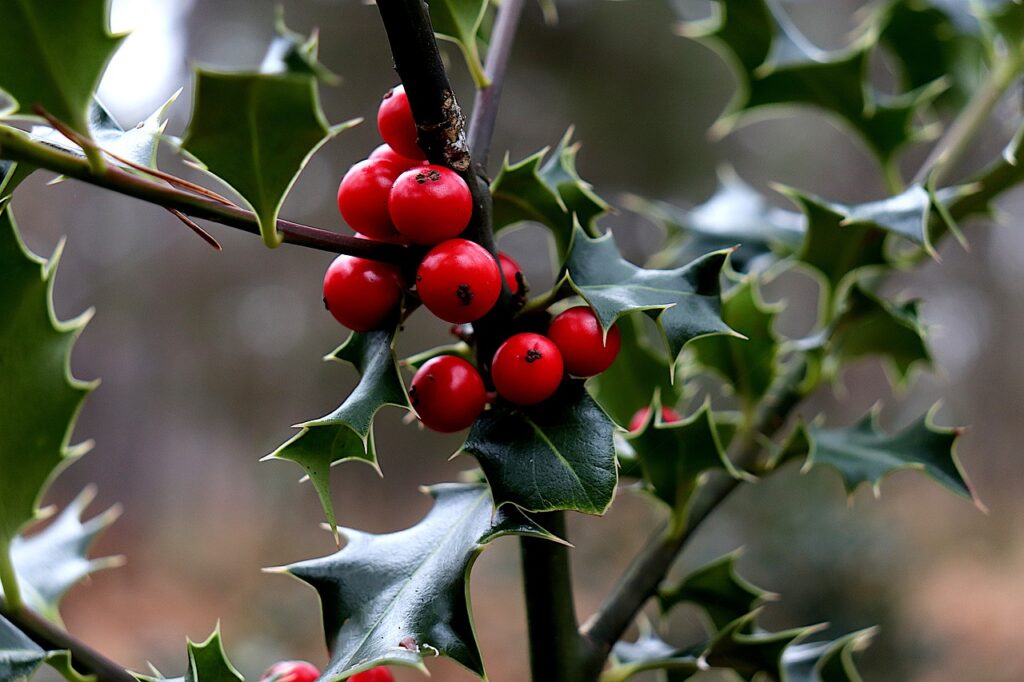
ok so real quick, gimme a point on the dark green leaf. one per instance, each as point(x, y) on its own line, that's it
point(735, 215)
point(1005, 18)
point(393, 599)
point(459, 21)
point(50, 562)
point(19, 655)
point(41, 399)
point(256, 132)
point(739, 646)
point(54, 54)
point(290, 52)
point(826, 661)
point(556, 455)
point(347, 433)
point(11, 175)
point(650, 652)
point(550, 193)
point(684, 301)
point(749, 365)
point(207, 662)
point(719, 590)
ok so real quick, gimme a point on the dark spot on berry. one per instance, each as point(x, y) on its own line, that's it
point(389, 93)
point(465, 294)
point(412, 396)
point(533, 355)
point(432, 176)
point(327, 307)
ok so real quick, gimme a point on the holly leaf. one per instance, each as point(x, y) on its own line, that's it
point(459, 21)
point(719, 590)
point(736, 215)
point(256, 132)
point(393, 599)
point(650, 652)
point(54, 55)
point(41, 398)
point(290, 52)
point(870, 325)
point(557, 455)
point(674, 455)
point(48, 563)
point(1005, 21)
point(11, 175)
point(826, 661)
point(683, 301)
point(19, 655)
point(749, 365)
point(777, 66)
point(863, 453)
point(742, 647)
point(347, 432)
point(550, 193)
point(207, 661)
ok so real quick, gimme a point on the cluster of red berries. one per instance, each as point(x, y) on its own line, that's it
point(301, 671)
point(396, 196)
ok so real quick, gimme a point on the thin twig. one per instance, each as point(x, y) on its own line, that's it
point(190, 224)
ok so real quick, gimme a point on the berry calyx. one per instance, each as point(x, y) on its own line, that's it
point(380, 674)
point(362, 294)
point(291, 671)
point(429, 204)
point(396, 124)
point(363, 197)
point(512, 273)
point(527, 369)
point(585, 350)
point(459, 281)
point(447, 394)
point(385, 153)
point(637, 421)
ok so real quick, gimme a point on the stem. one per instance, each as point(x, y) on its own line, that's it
point(556, 649)
point(957, 140)
point(52, 638)
point(485, 107)
point(642, 578)
point(9, 580)
point(16, 146)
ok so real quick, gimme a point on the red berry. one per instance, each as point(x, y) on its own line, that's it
point(429, 204)
point(447, 393)
point(385, 153)
point(363, 197)
point(509, 269)
point(291, 671)
point(380, 674)
point(668, 415)
point(362, 294)
point(527, 369)
point(396, 124)
point(458, 281)
point(577, 333)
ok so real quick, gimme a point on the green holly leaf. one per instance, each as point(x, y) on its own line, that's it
point(41, 398)
point(393, 599)
point(826, 661)
point(683, 301)
point(256, 132)
point(207, 661)
point(872, 326)
point(673, 456)
point(863, 453)
point(54, 55)
point(556, 455)
point(749, 651)
point(50, 562)
point(459, 21)
point(736, 215)
point(290, 52)
point(347, 432)
point(550, 193)
point(777, 66)
point(650, 652)
point(748, 365)
point(1005, 21)
point(719, 590)
point(61, 662)
point(19, 655)
point(11, 175)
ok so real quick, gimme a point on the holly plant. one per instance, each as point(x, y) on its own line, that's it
point(665, 377)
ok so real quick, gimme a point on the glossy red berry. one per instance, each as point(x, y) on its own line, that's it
point(447, 394)
point(396, 124)
point(362, 294)
point(527, 369)
point(509, 270)
point(458, 281)
point(578, 335)
point(385, 153)
point(429, 204)
point(291, 671)
point(380, 674)
point(363, 197)
point(668, 415)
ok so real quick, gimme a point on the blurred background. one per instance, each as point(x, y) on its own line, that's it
point(208, 358)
